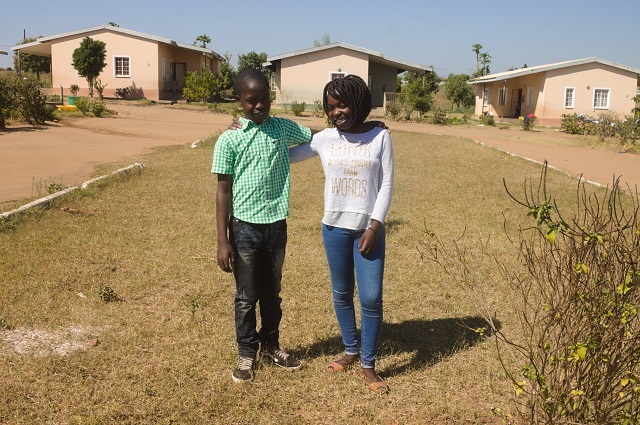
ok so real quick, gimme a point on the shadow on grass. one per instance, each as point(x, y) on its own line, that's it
point(429, 341)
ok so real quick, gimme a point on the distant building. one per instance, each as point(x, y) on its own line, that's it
point(149, 66)
point(585, 86)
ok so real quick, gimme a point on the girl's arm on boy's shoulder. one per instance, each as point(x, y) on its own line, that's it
point(301, 152)
point(223, 209)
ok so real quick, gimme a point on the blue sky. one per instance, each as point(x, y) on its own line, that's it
point(436, 33)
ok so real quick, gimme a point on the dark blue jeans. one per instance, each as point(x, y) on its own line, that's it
point(259, 251)
point(346, 264)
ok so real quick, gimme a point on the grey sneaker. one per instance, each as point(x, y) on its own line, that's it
point(244, 371)
point(281, 358)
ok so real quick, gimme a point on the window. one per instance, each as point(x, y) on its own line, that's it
point(335, 75)
point(529, 96)
point(601, 98)
point(122, 66)
point(569, 97)
point(272, 83)
point(502, 96)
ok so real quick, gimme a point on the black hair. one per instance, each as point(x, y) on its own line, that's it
point(354, 93)
point(247, 76)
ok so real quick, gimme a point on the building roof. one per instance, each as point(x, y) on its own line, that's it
point(42, 46)
point(543, 68)
point(374, 56)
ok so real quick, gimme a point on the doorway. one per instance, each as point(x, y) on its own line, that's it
point(516, 102)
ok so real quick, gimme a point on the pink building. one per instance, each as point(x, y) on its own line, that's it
point(585, 86)
point(300, 76)
point(149, 66)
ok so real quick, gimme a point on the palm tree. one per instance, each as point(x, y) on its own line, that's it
point(204, 39)
point(476, 48)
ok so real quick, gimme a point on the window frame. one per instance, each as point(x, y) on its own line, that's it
point(115, 66)
point(593, 101)
point(573, 97)
point(529, 96)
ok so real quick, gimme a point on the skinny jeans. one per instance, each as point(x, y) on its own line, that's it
point(343, 258)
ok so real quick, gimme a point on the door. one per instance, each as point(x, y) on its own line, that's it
point(516, 102)
point(179, 74)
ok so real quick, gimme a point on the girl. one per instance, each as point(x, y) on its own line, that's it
point(357, 159)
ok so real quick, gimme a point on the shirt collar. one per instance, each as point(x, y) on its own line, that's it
point(248, 124)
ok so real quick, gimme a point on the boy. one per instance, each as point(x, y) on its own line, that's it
point(252, 204)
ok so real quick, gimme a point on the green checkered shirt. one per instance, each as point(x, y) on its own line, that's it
point(257, 156)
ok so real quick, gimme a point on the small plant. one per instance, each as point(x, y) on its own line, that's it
point(97, 83)
point(394, 109)
point(297, 108)
point(55, 187)
point(317, 110)
point(123, 92)
point(487, 119)
point(74, 90)
point(82, 105)
point(439, 117)
point(108, 295)
point(528, 122)
point(98, 108)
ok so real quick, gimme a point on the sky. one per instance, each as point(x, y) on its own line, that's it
point(431, 33)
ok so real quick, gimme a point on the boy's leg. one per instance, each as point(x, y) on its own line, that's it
point(245, 240)
point(269, 274)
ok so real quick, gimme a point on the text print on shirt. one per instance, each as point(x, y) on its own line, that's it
point(350, 158)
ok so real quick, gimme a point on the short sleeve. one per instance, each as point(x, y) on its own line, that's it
point(223, 156)
point(296, 133)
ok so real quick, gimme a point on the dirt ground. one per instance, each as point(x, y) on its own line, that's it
point(67, 153)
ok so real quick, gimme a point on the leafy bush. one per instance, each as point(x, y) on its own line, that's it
point(203, 86)
point(123, 92)
point(487, 119)
point(6, 100)
point(29, 102)
point(439, 117)
point(82, 105)
point(297, 108)
point(98, 108)
point(528, 122)
point(394, 109)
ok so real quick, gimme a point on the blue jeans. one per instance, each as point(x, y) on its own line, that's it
point(259, 251)
point(343, 257)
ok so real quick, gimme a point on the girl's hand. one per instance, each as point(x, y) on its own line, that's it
point(367, 242)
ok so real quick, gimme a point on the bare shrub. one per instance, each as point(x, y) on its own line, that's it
point(576, 300)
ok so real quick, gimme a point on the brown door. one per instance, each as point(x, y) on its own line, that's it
point(516, 102)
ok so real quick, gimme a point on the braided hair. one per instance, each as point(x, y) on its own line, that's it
point(354, 93)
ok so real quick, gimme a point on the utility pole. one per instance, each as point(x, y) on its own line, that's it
point(18, 70)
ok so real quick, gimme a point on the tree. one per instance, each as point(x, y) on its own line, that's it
point(476, 48)
point(88, 60)
point(203, 86)
point(227, 70)
point(419, 89)
point(32, 63)
point(485, 60)
point(254, 60)
point(326, 39)
point(203, 39)
point(458, 91)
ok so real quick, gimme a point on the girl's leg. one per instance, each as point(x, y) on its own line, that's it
point(338, 244)
point(369, 272)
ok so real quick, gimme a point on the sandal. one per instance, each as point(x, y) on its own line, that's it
point(377, 386)
point(342, 363)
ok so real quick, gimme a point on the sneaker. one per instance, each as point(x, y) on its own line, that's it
point(244, 371)
point(281, 358)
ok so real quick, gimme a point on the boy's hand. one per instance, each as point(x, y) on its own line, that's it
point(235, 124)
point(225, 257)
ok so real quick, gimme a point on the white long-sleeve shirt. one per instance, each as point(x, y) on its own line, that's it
point(358, 169)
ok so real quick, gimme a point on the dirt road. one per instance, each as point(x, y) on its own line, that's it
point(67, 154)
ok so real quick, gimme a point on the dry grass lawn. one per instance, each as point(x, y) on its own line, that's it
point(164, 353)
